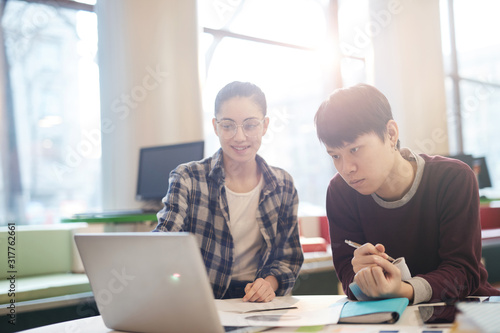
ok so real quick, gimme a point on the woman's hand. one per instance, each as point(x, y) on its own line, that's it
point(261, 290)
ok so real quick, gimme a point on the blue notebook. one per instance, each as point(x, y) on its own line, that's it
point(373, 312)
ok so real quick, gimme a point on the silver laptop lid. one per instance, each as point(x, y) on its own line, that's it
point(149, 282)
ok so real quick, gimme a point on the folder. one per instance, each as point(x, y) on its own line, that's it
point(373, 312)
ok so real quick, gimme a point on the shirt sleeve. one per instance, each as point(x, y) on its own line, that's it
point(287, 257)
point(175, 203)
point(422, 291)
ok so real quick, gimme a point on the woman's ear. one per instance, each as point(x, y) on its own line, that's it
point(265, 125)
point(214, 124)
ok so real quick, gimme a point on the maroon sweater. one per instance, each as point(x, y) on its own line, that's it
point(437, 230)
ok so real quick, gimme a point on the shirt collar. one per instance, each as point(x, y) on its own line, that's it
point(410, 156)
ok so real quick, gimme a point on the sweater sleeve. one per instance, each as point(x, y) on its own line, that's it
point(343, 221)
point(458, 274)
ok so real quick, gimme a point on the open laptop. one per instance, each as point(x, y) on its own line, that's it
point(150, 282)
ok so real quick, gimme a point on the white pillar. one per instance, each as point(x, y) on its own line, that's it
point(149, 84)
point(4, 147)
point(407, 66)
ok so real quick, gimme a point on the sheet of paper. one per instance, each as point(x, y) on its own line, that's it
point(236, 305)
point(349, 328)
point(235, 312)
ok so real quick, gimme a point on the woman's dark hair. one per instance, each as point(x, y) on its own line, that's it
point(351, 112)
point(241, 89)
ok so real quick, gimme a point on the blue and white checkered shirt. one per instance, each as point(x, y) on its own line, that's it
point(196, 202)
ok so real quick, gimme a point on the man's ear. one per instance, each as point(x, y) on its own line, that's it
point(393, 132)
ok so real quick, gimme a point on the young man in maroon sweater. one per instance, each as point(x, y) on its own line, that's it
point(420, 207)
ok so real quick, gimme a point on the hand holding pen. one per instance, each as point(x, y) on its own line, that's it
point(356, 246)
point(377, 277)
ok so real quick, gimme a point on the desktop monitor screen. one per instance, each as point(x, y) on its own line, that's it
point(478, 165)
point(155, 164)
point(467, 159)
point(481, 170)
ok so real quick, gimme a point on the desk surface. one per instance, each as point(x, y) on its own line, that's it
point(409, 322)
point(110, 218)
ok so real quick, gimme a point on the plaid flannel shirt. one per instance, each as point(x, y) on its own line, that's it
point(196, 202)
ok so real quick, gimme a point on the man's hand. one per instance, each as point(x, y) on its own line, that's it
point(365, 256)
point(261, 290)
point(382, 280)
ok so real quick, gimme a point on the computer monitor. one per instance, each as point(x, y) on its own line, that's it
point(467, 159)
point(481, 170)
point(479, 166)
point(155, 164)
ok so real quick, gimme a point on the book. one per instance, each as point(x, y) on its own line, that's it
point(313, 244)
point(373, 312)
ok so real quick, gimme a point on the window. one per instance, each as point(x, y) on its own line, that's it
point(54, 115)
point(472, 62)
point(287, 48)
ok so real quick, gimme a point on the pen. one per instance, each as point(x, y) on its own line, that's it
point(356, 245)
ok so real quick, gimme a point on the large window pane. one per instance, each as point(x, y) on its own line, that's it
point(54, 78)
point(478, 46)
point(480, 118)
point(474, 80)
point(286, 48)
point(299, 22)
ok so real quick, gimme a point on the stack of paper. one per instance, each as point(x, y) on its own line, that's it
point(285, 311)
point(484, 317)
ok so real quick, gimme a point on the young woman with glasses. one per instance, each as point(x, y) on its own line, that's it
point(242, 211)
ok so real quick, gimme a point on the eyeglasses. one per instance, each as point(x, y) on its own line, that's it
point(251, 127)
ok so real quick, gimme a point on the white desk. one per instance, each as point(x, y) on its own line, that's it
point(409, 322)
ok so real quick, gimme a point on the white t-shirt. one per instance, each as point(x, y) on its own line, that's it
point(245, 230)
